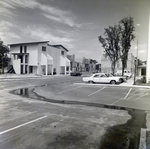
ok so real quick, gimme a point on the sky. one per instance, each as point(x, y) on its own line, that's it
point(75, 24)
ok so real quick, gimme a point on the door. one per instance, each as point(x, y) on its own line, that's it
point(21, 69)
point(96, 78)
point(104, 79)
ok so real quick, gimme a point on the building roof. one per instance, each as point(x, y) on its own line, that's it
point(142, 66)
point(36, 42)
point(58, 46)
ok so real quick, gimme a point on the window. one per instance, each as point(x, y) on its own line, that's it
point(20, 49)
point(30, 69)
point(21, 57)
point(43, 49)
point(26, 58)
point(103, 76)
point(96, 76)
point(25, 49)
point(26, 69)
point(62, 52)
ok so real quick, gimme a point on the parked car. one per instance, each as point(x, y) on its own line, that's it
point(102, 78)
point(127, 73)
point(122, 78)
point(76, 73)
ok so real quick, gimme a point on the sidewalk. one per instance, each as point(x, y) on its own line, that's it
point(11, 76)
point(130, 83)
point(17, 76)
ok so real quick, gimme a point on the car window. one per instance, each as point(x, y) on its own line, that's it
point(107, 75)
point(103, 76)
point(96, 76)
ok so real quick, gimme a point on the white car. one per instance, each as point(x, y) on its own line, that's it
point(102, 78)
point(127, 73)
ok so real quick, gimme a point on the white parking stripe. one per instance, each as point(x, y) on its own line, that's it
point(128, 93)
point(3, 132)
point(96, 91)
point(141, 96)
point(69, 90)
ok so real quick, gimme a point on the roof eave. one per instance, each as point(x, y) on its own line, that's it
point(25, 43)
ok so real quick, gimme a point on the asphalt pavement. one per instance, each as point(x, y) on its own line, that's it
point(129, 83)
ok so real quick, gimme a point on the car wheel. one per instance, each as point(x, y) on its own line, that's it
point(112, 82)
point(91, 82)
point(121, 80)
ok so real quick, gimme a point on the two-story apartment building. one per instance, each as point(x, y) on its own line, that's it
point(39, 58)
point(61, 63)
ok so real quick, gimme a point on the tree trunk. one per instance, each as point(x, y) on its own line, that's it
point(2, 65)
point(122, 68)
point(113, 68)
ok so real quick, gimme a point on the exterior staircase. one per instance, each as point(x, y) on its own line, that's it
point(11, 69)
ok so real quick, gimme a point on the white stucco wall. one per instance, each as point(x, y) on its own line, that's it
point(15, 49)
point(43, 59)
point(62, 61)
point(16, 66)
point(33, 54)
point(55, 53)
point(34, 69)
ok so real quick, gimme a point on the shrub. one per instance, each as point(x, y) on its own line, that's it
point(143, 79)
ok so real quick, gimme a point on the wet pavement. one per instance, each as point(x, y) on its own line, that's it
point(125, 136)
point(118, 134)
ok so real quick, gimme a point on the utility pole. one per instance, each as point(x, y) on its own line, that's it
point(136, 63)
point(135, 66)
point(136, 58)
point(148, 55)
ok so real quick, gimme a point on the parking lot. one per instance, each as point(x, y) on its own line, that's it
point(131, 97)
point(32, 123)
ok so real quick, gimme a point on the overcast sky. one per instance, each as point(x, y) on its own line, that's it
point(76, 24)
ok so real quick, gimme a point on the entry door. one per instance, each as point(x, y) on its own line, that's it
point(21, 69)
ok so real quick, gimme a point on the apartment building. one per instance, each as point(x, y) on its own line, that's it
point(39, 58)
point(61, 64)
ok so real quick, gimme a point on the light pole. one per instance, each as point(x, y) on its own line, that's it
point(136, 58)
point(136, 64)
point(148, 55)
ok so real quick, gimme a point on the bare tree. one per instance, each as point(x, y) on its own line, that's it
point(111, 44)
point(127, 35)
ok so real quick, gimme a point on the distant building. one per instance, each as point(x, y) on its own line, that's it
point(142, 69)
point(130, 63)
point(106, 64)
point(72, 62)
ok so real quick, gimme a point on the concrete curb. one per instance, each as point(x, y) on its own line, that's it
point(126, 85)
point(24, 76)
point(142, 144)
